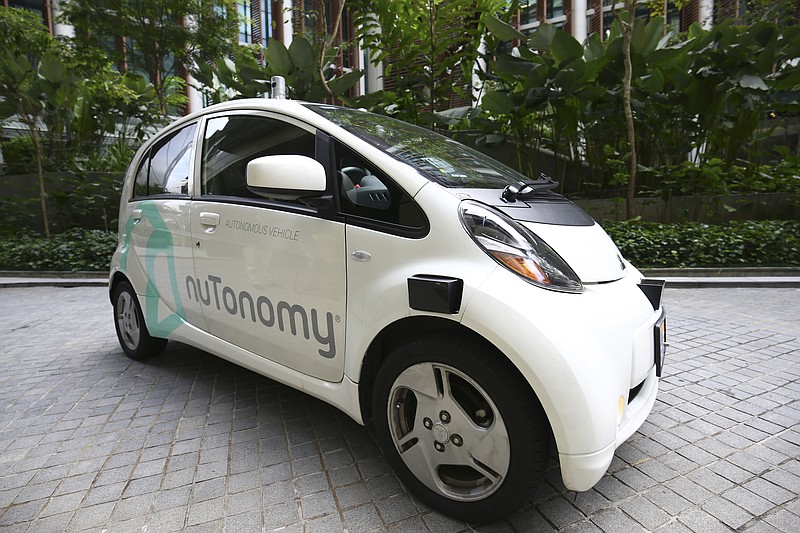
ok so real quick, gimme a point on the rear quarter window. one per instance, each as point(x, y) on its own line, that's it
point(166, 168)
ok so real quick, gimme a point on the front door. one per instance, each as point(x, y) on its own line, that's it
point(270, 274)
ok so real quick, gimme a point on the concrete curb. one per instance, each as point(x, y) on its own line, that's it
point(52, 279)
point(743, 277)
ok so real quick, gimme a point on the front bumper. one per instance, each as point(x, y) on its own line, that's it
point(589, 358)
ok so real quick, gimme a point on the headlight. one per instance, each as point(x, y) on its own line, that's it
point(517, 248)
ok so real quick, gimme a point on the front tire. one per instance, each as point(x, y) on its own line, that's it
point(131, 329)
point(462, 429)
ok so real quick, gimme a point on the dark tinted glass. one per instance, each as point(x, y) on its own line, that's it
point(233, 141)
point(442, 160)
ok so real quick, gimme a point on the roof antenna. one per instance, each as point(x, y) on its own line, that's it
point(278, 86)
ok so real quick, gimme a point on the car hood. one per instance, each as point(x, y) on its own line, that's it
point(567, 228)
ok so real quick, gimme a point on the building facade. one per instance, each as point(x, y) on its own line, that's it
point(262, 20)
point(582, 17)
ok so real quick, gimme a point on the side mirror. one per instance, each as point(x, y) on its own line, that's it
point(287, 177)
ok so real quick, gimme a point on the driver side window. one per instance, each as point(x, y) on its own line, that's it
point(369, 195)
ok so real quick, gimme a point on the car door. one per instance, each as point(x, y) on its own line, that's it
point(270, 272)
point(159, 253)
point(385, 246)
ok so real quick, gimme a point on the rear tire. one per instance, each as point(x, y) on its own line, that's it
point(462, 430)
point(131, 329)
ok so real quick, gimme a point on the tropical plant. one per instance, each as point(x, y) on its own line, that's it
point(164, 39)
point(699, 100)
point(428, 50)
point(243, 76)
point(29, 69)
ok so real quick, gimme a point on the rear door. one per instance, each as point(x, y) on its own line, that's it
point(158, 255)
point(270, 273)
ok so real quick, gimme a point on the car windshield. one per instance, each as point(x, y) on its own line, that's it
point(442, 160)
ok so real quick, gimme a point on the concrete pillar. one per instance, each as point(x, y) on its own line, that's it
point(59, 28)
point(579, 29)
point(286, 19)
point(373, 71)
point(195, 98)
point(705, 13)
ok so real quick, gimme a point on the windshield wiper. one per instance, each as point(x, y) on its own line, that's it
point(526, 189)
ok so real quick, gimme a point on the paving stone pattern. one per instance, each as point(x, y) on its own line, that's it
point(92, 441)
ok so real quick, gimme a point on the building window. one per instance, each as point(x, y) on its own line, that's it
point(255, 21)
point(600, 15)
point(532, 13)
point(40, 7)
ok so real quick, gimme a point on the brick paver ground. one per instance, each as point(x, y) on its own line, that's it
point(92, 441)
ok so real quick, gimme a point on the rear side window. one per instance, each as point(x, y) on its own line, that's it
point(167, 166)
point(233, 141)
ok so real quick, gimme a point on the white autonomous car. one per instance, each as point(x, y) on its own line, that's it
point(471, 315)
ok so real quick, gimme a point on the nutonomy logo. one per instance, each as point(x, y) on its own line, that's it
point(261, 309)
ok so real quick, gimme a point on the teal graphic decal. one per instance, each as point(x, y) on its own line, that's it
point(159, 243)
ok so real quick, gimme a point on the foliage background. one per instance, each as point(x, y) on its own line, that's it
point(717, 111)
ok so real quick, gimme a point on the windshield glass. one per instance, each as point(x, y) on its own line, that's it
point(442, 160)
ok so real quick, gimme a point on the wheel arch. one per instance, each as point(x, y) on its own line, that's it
point(415, 327)
point(116, 279)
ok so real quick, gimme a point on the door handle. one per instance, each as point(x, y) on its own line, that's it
point(136, 215)
point(209, 219)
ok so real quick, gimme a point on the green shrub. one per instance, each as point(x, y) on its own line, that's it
point(645, 244)
point(739, 244)
point(73, 250)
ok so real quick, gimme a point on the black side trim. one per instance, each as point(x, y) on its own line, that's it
point(437, 294)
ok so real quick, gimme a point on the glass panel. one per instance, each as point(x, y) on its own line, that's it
point(37, 6)
point(438, 158)
point(527, 11)
point(170, 165)
point(140, 189)
point(367, 192)
point(555, 8)
point(232, 142)
point(266, 21)
point(245, 21)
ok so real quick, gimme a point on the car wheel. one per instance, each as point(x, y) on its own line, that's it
point(131, 328)
point(460, 427)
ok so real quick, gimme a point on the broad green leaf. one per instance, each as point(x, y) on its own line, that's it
point(497, 102)
point(749, 81)
point(789, 81)
point(302, 54)
point(646, 37)
point(341, 84)
point(501, 30)
point(229, 64)
point(653, 82)
point(593, 48)
point(542, 38)
point(52, 68)
point(278, 59)
point(510, 67)
point(571, 78)
point(565, 47)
